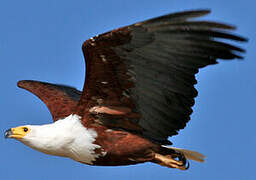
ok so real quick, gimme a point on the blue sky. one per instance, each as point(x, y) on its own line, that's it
point(41, 40)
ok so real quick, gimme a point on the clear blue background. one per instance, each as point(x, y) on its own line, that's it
point(42, 40)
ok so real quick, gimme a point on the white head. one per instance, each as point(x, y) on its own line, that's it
point(49, 138)
point(66, 137)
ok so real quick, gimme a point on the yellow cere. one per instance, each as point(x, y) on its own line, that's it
point(19, 132)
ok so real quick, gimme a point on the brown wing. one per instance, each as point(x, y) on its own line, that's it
point(61, 100)
point(144, 74)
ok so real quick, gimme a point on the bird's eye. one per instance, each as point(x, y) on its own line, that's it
point(25, 129)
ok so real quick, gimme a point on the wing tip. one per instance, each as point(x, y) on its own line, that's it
point(193, 12)
point(25, 83)
point(201, 10)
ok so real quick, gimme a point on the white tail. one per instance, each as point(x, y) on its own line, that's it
point(196, 156)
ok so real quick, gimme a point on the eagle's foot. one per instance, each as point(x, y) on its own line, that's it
point(172, 161)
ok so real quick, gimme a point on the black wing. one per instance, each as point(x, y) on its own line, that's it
point(145, 73)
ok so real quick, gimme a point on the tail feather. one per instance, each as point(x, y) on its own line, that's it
point(193, 155)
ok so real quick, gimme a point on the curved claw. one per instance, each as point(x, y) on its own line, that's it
point(182, 158)
point(187, 165)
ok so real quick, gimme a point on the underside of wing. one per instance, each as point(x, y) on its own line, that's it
point(61, 100)
point(145, 73)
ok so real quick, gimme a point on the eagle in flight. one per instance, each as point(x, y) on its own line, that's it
point(139, 90)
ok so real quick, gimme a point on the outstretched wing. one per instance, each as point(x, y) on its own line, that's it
point(61, 100)
point(143, 75)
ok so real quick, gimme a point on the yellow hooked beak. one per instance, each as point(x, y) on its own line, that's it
point(17, 133)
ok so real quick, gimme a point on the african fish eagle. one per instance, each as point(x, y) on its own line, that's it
point(139, 90)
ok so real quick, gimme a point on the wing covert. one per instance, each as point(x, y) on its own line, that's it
point(61, 100)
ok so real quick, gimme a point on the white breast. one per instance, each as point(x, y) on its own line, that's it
point(66, 137)
point(82, 147)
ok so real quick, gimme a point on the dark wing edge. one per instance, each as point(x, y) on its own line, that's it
point(148, 70)
point(61, 100)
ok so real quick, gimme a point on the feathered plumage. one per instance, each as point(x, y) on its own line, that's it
point(139, 88)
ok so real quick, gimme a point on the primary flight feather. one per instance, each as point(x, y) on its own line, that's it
point(139, 90)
